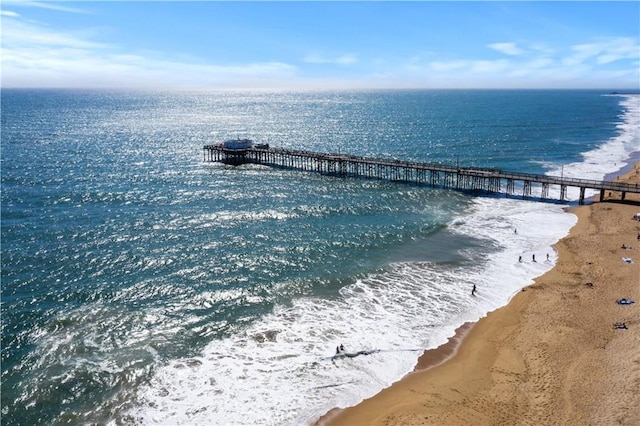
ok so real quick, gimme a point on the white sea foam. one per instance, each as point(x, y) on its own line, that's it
point(282, 367)
point(281, 371)
point(610, 156)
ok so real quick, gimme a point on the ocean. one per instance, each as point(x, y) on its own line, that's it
point(143, 285)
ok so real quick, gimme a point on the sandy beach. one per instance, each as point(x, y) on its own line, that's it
point(552, 355)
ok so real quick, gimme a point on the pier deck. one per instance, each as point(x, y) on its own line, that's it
point(435, 175)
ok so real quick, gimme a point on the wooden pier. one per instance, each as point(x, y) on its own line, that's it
point(486, 180)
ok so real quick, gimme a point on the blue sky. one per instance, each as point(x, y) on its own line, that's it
point(321, 45)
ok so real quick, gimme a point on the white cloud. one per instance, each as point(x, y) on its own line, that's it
point(604, 51)
point(507, 48)
point(37, 56)
point(9, 13)
point(618, 49)
point(489, 66)
point(541, 48)
point(69, 67)
point(44, 5)
point(25, 35)
point(446, 66)
point(340, 60)
point(473, 66)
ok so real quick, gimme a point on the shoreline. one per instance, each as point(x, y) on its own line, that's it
point(497, 369)
point(430, 358)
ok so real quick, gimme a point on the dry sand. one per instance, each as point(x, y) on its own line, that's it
point(551, 356)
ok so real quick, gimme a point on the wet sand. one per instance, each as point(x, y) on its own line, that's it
point(551, 356)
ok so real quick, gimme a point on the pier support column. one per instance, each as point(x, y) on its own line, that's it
point(601, 194)
point(526, 189)
point(510, 186)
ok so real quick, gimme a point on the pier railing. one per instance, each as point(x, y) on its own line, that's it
point(433, 174)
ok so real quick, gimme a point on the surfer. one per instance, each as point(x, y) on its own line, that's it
point(473, 291)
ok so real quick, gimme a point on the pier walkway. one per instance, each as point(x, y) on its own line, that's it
point(436, 175)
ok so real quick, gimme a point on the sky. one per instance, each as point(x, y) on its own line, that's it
point(304, 45)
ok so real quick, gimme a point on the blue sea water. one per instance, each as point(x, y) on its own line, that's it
point(143, 285)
